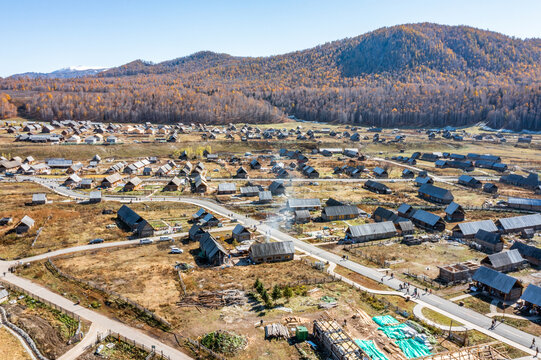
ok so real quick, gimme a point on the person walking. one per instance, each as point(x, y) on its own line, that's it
point(533, 343)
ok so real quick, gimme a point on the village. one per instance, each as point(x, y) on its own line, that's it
point(281, 241)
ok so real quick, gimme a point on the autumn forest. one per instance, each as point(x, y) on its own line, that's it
point(409, 75)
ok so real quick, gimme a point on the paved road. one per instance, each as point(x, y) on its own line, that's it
point(478, 321)
point(103, 245)
point(466, 316)
point(88, 341)
point(102, 321)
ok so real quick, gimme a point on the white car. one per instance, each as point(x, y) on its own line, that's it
point(145, 241)
point(166, 238)
point(175, 250)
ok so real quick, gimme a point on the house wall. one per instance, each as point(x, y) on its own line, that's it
point(371, 237)
point(242, 236)
point(21, 229)
point(338, 217)
point(532, 260)
point(274, 258)
point(488, 247)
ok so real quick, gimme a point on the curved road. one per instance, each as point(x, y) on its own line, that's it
point(470, 318)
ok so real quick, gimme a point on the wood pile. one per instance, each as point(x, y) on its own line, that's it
point(215, 299)
point(276, 331)
point(363, 317)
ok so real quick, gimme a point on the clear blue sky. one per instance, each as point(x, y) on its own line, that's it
point(45, 35)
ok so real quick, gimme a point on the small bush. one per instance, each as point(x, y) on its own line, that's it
point(224, 342)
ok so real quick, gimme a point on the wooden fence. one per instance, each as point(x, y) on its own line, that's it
point(152, 354)
point(423, 279)
point(201, 348)
point(18, 289)
point(124, 299)
point(380, 261)
point(182, 285)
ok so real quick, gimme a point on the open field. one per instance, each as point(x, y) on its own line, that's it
point(145, 274)
point(10, 347)
point(439, 318)
point(86, 222)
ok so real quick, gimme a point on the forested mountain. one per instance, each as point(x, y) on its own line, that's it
point(407, 75)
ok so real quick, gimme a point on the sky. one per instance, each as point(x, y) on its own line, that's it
point(43, 36)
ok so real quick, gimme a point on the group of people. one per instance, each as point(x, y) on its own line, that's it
point(416, 292)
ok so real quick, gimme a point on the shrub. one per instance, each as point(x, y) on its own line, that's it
point(224, 342)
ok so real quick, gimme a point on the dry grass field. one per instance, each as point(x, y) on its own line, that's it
point(145, 274)
point(10, 347)
point(66, 223)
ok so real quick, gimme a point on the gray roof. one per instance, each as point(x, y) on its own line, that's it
point(113, 178)
point(376, 185)
point(27, 220)
point(207, 218)
point(239, 229)
point(426, 217)
point(489, 237)
point(135, 181)
point(406, 225)
point(272, 249)
point(523, 201)
point(227, 187)
point(59, 162)
point(451, 208)
point(128, 216)
point(210, 246)
point(471, 228)
point(195, 229)
point(341, 210)
point(532, 294)
point(527, 250)
point(404, 208)
point(39, 197)
point(520, 222)
point(265, 195)
point(175, 181)
point(436, 192)
point(250, 190)
point(372, 229)
point(199, 213)
point(302, 214)
point(95, 194)
point(275, 185)
point(494, 279)
point(505, 258)
point(296, 203)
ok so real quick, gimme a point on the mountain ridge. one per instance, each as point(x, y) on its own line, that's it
point(405, 75)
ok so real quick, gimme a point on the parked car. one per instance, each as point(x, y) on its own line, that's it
point(95, 241)
point(166, 238)
point(175, 250)
point(145, 241)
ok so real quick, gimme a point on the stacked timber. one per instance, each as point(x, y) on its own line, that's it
point(276, 331)
point(215, 299)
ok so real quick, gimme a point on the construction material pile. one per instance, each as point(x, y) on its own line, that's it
point(410, 336)
point(412, 348)
point(386, 320)
point(215, 299)
point(276, 331)
point(371, 350)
